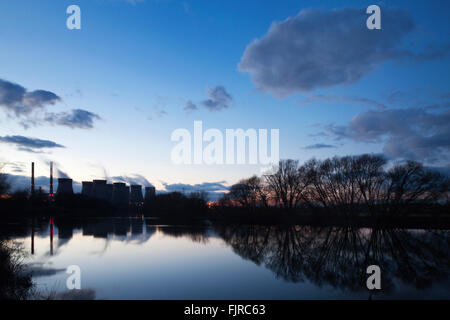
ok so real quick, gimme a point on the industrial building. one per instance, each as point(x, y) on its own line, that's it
point(136, 194)
point(120, 194)
point(117, 193)
point(64, 186)
point(86, 188)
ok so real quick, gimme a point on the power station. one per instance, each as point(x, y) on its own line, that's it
point(117, 193)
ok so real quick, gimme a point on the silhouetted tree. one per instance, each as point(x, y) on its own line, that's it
point(411, 183)
point(288, 182)
point(4, 184)
point(250, 192)
point(14, 284)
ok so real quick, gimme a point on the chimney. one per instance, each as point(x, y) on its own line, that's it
point(51, 180)
point(32, 179)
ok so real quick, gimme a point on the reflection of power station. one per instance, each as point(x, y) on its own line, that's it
point(64, 186)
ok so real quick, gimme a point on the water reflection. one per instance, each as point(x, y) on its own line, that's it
point(339, 256)
point(335, 257)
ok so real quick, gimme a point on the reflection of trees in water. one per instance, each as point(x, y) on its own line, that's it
point(14, 283)
point(339, 256)
point(195, 234)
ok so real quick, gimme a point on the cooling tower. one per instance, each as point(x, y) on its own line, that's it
point(120, 194)
point(128, 194)
point(64, 186)
point(99, 189)
point(149, 193)
point(136, 194)
point(86, 189)
point(109, 192)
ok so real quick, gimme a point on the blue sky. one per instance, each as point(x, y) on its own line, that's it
point(134, 65)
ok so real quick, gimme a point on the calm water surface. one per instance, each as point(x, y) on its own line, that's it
point(134, 258)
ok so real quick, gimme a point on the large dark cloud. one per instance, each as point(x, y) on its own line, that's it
point(319, 49)
point(77, 118)
point(20, 103)
point(218, 98)
point(17, 100)
point(410, 133)
point(28, 143)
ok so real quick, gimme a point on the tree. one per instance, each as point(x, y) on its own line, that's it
point(249, 192)
point(288, 182)
point(411, 182)
point(4, 184)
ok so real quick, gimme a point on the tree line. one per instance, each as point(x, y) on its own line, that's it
point(362, 183)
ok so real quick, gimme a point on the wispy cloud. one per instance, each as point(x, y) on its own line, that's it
point(218, 98)
point(320, 146)
point(29, 144)
point(77, 118)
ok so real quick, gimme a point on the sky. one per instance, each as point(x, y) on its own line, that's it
point(104, 100)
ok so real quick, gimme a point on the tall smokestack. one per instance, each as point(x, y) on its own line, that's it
point(32, 178)
point(51, 179)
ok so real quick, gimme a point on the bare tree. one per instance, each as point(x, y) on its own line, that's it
point(250, 192)
point(288, 182)
point(370, 178)
point(346, 181)
point(411, 182)
point(4, 184)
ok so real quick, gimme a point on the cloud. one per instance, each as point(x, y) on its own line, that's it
point(190, 106)
point(319, 49)
point(214, 189)
point(29, 144)
point(77, 118)
point(22, 182)
point(18, 167)
point(320, 146)
point(39, 270)
point(133, 179)
point(17, 100)
point(20, 103)
point(410, 133)
point(218, 98)
point(329, 98)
